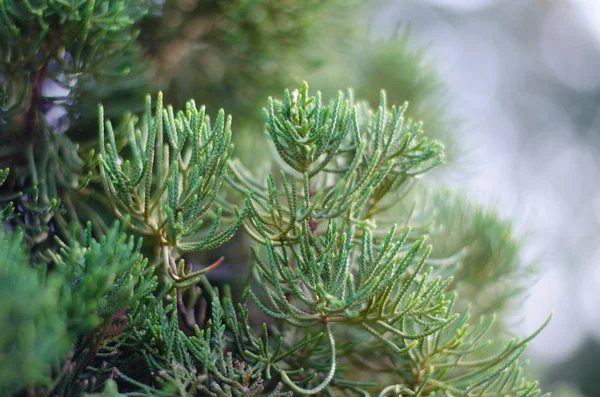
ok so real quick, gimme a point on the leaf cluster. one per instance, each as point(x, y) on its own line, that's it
point(237, 52)
point(56, 57)
point(327, 266)
point(33, 335)
point(179, 163)
point(343, 294)
point(70, 309)
point(85, 39)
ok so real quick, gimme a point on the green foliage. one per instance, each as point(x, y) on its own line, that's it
point(82, 22)
point(33, 338)
point(9, 209)
point(339, 289)
point(461, 360)
point(187, 172)
point(110, 390)
point(236, 52)
point(58, 58)
point(172, 184)
point(345, 294)
point(406, 72)
point(101, 278)
point(490, 272)
point(345, 158)
point(106, 291)
point(69, 311)
point(198, 364)
point(61, 40)
point(329, 268)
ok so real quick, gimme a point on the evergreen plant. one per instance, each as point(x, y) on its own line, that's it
point(111, 197)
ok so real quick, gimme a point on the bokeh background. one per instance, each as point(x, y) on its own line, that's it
point(523, 78)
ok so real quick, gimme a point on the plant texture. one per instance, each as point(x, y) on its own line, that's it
point(357, 279)
point(58, 59)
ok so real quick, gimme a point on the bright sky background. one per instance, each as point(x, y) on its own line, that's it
point(505, 73)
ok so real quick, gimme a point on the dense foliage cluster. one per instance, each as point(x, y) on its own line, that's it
point(343, 293)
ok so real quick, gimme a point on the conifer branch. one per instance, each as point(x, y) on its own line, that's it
point(170, 186)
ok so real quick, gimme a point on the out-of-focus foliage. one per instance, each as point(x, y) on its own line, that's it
point(235, 53)
point(33, 339)
point(567, 391)
point(110, 390)
point(58, 59)
point(490, 272)
point(66, 315)
point(53, 47)
point(407, 74)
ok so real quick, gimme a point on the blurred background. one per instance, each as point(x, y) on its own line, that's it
point(523, 78)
